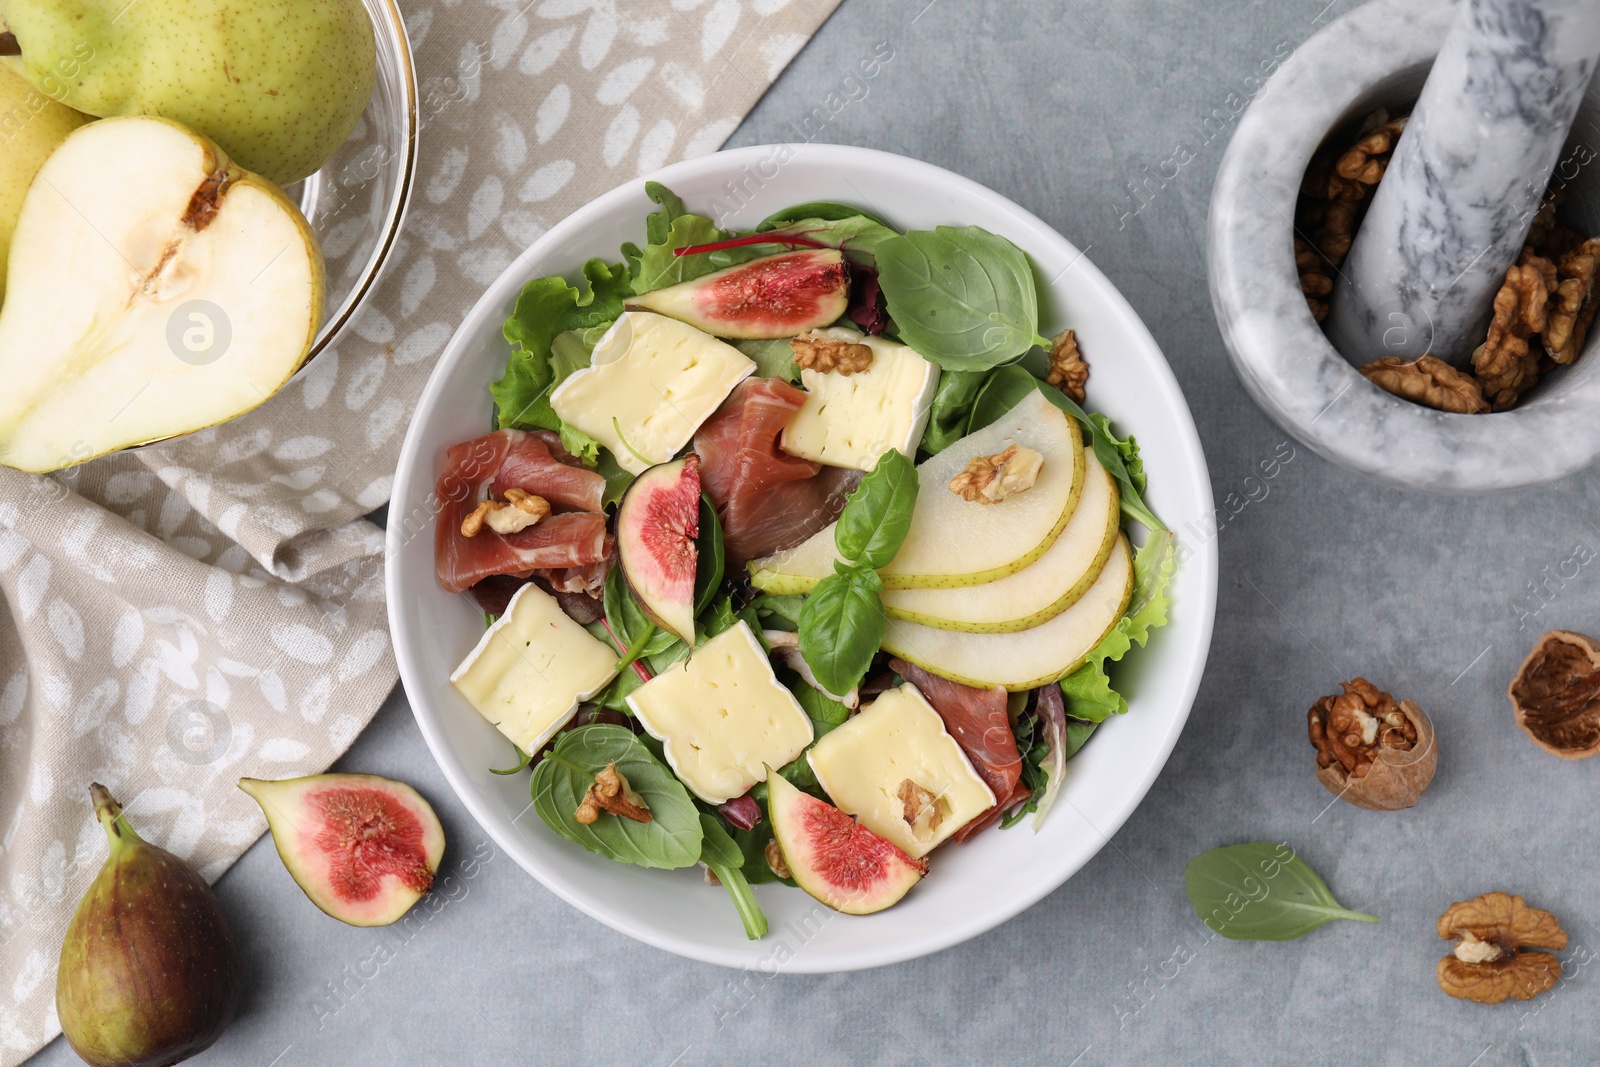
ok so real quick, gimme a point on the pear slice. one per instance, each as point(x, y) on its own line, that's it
point(1027, 658)
point(154, 289)
point(952, 541)
point(1038, 592)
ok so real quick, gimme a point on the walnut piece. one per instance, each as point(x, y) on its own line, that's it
point(1504, 364)
point(1314, 279)
point(991, 479)
point(1568, 322)
point(611, 793)
point(825, 355)
point(1372, 751)
point(775, 860)
point(1426, 380)
point(1367, 159)
point(1492, 963)
point(1556, 694)
point(518, 511)
point(1068, 371)
point(920, 808)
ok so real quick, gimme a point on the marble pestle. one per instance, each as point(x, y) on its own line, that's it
point(1454, 207)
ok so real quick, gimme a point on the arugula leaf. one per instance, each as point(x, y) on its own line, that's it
point(842, 626)
point(617, 479)
point(708, 556)
point(773, 358)
point(1261, 892)
point(524, 759)
point(722, 855)
point(826, 210)
point(1088, 689)
point(630, 625)
point(963, 298)
point(877, 516)
point(1077, 733)
point(951, 409)
point(671, 839)
point(547, 308)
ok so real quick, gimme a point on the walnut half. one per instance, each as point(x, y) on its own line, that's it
point(516, 513)
point(1556, 694)
point(826, 355)
point(1427, 380)
point(991, 479)
point(1068, 371)
point(611, 793)
point(922, 810)
point(1372, 751)
point(1492, 962)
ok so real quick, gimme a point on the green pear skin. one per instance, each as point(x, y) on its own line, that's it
point(279, 84)
point(31, 126)
point(150, 973)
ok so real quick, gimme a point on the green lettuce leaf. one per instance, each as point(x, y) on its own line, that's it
point(1088, 691)
point(656, 266)
point(546, 309)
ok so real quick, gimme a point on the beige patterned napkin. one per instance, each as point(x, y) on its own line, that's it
point(183, 615)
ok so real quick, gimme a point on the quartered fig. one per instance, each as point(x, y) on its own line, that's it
point(834, 858)
point(149, 971)
point(775, 296)
point(363, 848)
point(657, 524)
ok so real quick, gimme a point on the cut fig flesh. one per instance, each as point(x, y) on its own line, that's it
point(363, 848)
point(657, 525)
point(834, 858)
point(775, 296)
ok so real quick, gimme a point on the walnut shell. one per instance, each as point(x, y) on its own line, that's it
point(1389, 778)
point(1556, 694)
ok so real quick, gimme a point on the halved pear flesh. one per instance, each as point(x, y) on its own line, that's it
point(1027, 658)
point(954, 541)
point(154, 289)
point(1041, 590)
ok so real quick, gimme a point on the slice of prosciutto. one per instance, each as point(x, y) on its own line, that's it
point(977, 719)
point(525, 460)
point(767, 499)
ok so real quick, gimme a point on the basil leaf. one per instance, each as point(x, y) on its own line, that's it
point(629, 624)
point(671, 839)
point(878, 514)
point(951, 409)
point(709, 556)
point(722, 855)
point(779, 612)
point(773, 358)
point(1261, 892)
point(842, 626)
point(816, 209)
point(963, 298)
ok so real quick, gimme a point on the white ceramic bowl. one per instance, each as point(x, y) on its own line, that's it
point(973, 887)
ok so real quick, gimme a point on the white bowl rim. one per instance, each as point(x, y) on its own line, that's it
point(1202, 564)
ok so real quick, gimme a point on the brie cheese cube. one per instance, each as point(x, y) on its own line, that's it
point(849, 420)
point(655, 380)
point(532, 669)
point(723, 717)
point(864, 764)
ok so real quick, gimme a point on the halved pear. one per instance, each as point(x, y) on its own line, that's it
point(154, 289)
point(31, 126)
point(953, 541)
point(1028, 658)
point(1038, 592)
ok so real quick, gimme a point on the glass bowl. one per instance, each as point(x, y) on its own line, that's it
point(357, 201)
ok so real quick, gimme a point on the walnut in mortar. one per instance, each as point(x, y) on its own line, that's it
point(1372, 751)
point(1492, 962)
point(1556, 694)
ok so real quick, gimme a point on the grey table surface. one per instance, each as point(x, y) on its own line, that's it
point(1059, 104)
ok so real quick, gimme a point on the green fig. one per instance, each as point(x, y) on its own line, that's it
point(279, 84)
point(149, 971)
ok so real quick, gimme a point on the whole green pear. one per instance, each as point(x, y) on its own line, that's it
point(279, 84)
point(149, 971)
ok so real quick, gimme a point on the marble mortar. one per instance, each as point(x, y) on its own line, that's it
point(1376, 56)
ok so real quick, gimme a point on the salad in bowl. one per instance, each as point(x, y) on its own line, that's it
point(801, 552)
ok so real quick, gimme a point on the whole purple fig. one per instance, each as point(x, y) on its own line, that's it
point(149, 971)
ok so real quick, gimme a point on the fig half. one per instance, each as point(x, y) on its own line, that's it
point(770, 297)
point(364, 848)
point(657, 524)
point(834, 858)
point(149, 971)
